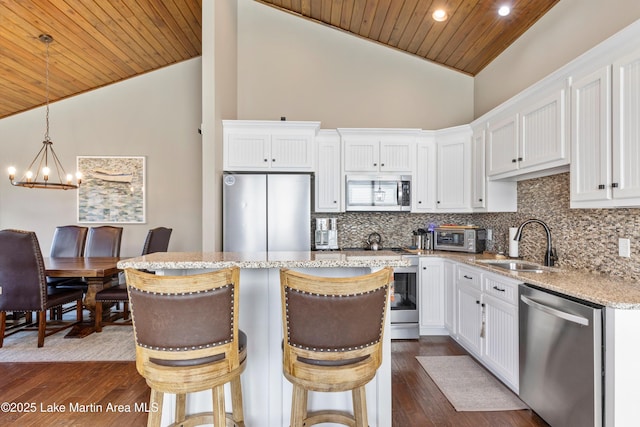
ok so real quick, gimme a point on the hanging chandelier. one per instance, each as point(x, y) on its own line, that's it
point(49, 173)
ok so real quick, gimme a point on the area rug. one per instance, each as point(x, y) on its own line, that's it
point(114, 343)
point(468, 386)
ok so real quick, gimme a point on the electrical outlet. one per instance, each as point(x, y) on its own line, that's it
point(0, 290)
point(624, 247)
point(489, 234)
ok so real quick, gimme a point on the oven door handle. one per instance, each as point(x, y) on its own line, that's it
point(555, 312)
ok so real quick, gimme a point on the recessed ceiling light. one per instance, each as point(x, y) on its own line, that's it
point(504, 10)
point(439, 15)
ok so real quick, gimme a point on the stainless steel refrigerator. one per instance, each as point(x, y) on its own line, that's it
point(266, 212)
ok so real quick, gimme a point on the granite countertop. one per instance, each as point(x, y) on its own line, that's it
point(598, 288)
point(303, 259)
point(603, 289)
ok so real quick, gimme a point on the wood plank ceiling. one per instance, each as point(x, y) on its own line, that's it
point(470, 38)
point(97, 43)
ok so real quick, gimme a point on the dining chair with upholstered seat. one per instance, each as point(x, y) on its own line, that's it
point(24, 285)
point(68, 241)
point(187, 340)
point(333, 332)
point(103, 241)
point(157, 240)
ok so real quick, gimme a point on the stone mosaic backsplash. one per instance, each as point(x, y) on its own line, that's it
point(585, 239)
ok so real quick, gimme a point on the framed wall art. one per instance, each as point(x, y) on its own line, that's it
point(112, 189)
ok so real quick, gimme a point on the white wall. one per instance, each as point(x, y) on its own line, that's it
point(568, 30)
point(155, 115)
point(288, 66)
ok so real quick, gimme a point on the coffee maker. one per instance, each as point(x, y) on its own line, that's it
point(326, 233)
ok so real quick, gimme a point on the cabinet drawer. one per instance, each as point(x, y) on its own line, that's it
point(469, 276)
point(502, 289)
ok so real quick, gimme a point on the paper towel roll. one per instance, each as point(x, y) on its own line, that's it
point(513, 244)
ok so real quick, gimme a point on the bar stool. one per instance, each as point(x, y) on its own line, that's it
point(187, 340)
point(333, 330)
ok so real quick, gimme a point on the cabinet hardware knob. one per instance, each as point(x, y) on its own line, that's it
point(438, 201)
point(375, 164)
point(424, 268)
point(382, 164)
point(614, 185)
point(513, 160)
point(419, 201)
point(519, 159)
point(482, 305)
point(498, 289)
point(273, 160)
point(479, 200)
point(477, 302)
point(266, 160)
point(467, 277)
point(601, 187)
point(335, 201)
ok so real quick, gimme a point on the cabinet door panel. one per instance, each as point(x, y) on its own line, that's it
point(454, 175)
point(431, 294)
point(502, 154)
point(328, 182)
point(469, 312)
point(500, 344)
point(396, 156)
point(626, 130)
point(291, 152)
point(591, 137)
point(542, 136)
point(478, 189)
point(247, 151)
point(424, 185)
point(361, 156)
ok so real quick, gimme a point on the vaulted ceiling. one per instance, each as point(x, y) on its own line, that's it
point(97, 43)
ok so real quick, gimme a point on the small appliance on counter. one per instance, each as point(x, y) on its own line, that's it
point(326, 234)
point(422, 240)
point(460, 238)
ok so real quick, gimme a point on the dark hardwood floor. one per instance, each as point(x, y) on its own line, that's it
point(417, 401)
point(30, 388)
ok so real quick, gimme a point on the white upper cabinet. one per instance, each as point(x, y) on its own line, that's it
point(328, 177)
point(423, 190)
point(379, 150)
point(530, 139)
point(454, 170)
point(606, 136)
point(502, 145)
point(479, 176)
point(255, 145)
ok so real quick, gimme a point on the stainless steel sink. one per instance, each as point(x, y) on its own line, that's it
point(516, 266)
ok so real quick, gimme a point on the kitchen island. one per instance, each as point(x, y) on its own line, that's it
point(266, 393)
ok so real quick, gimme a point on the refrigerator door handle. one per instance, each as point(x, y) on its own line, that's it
point(555, 312)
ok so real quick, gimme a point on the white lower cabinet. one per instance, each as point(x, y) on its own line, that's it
point(432, 296)
point(487, 320)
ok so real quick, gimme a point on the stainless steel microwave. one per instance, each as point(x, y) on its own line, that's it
point(378, 193)
point(471, 240)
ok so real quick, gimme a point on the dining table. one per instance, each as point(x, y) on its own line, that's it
point(97, 272)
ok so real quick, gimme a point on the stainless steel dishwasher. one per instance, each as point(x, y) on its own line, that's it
point(561, 357)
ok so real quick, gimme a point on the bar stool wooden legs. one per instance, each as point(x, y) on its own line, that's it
point(187, 340)
point(333, 330)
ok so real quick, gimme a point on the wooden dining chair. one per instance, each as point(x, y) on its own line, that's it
point(333, 331)
point(24, 285)
point(187, 340)
point(157, 241)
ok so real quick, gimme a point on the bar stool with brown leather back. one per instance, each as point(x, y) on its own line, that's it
point(187, 340)
point(157, 241)
point(333, 330)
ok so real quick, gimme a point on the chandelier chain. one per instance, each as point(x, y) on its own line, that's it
point(46, 73)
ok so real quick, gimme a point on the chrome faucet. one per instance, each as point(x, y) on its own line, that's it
point(550, 256)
